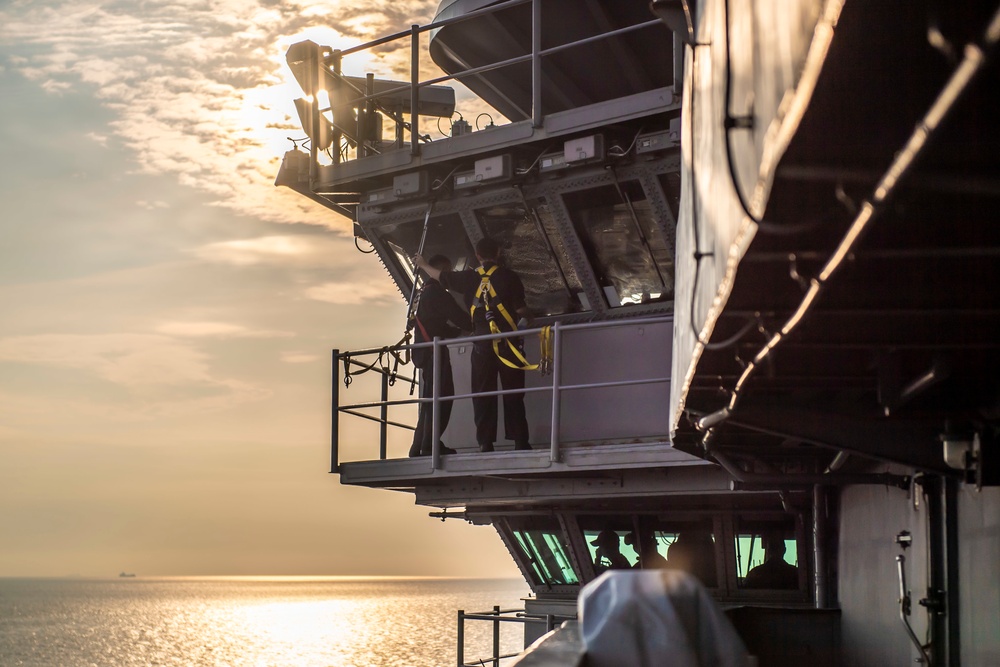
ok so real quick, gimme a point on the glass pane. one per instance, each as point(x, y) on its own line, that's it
point(608, 551)
point(547, 555)
point(445, 236)
point(767, 555)
point(670, 183)
point(682, 545)
point(526, 252)
point(624, 243)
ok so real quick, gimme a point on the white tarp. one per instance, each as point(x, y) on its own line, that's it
point(656, 618)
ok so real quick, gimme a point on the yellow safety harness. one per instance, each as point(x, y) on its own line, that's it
point(487, 296)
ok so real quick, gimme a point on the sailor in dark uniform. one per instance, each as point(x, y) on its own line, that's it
point(493, 293)
point(774, 572)
point(437, 315)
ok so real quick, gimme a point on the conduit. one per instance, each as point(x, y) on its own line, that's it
point(972, 64)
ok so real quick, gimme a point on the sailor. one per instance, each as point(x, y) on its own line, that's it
point(493, 293)
point(644, 544)
point(437, 315)
point(609, 555)
point(774, 572)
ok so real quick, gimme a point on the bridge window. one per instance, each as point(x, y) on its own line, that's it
point(445, 236)
point(624, 243)
point(545, 551)
point(767, 555)
point(533, 249)
point(682, 545)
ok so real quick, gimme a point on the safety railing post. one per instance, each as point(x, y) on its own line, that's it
point(383, 426)
point(556, 393)
point(337, 134)
point(536, 63)
point(461, 637)
point(314, 119)
point(414, 90)
point(366, 119)
point(436, 405)
point(496, 636)
point(335, 414)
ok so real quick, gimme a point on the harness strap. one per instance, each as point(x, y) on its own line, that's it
point(546, 346)
point(524, 365)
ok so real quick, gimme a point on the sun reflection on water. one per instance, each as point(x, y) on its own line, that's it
point(246, 621)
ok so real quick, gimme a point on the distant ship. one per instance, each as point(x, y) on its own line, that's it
point(126, 574)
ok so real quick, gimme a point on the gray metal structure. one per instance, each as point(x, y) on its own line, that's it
point(766, 243)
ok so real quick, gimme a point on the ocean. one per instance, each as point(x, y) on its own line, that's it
point(249, 621)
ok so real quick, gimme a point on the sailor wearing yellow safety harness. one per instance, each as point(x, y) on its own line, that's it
point(495, 298)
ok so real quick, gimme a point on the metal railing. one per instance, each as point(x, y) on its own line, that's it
point(389, 375)
point(368, 96)
point(496, 617)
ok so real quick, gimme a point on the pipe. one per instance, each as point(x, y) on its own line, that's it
point(838, 461)
point(751, 481)
point(975, 62)
point(410, 312)
point(904, 610)
point(819, 547)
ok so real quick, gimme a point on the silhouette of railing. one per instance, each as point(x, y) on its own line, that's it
point(388, 360)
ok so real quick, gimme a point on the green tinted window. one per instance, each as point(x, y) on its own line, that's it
point(547, 555)
point(767, 555)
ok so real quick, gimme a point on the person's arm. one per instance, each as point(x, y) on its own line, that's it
point(422, 264)
point(456, 314)
point(520, 307)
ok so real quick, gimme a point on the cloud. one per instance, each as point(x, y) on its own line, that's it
point(299, 357)
point(200, 90)
point(352, 294)
point(100, 139)
point(161, 374)
point(259, 250)
point(151, 205)
point(216, 330)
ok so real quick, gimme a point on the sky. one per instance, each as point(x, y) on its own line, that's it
point(167, 314)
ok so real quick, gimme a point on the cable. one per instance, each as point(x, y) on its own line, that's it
point(440, 183)
point(521, 172)
point(746, 123)
point(628, 150)
point(976, 59)
point(364, 252)
point(488, 116)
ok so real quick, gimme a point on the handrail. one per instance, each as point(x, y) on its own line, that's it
point(557, 388)
point(332, 64)
point(496, 617)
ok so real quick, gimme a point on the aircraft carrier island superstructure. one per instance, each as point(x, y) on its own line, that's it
point(760, 246)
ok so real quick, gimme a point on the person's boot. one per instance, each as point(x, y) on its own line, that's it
point(521, 446)
point(488, 447)
point(444, 450)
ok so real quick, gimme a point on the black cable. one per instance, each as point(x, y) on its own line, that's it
point(364, 252)
point(746, 123)
point(480, 116)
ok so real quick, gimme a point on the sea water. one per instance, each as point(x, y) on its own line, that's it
point(249, 621)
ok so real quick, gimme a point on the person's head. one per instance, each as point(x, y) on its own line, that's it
point(643, 542)
point(487, 249)
point(607, 540)
point(440, 262)
point(774, 546)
